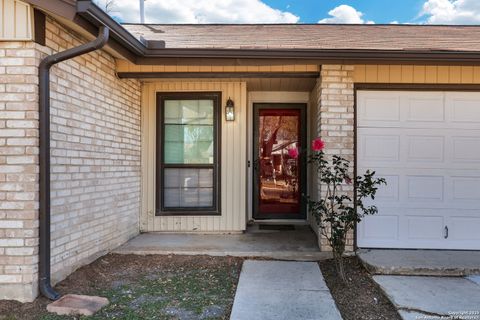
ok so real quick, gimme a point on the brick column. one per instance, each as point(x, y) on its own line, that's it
point(335, 117)
point(18, 170)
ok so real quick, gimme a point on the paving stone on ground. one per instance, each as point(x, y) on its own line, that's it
point(475, 278)
point(430, 295)
point(283, 290)
point(73, 304)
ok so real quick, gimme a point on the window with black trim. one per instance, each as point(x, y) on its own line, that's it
point(188, 140)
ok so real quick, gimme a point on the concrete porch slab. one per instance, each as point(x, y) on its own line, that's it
point(300, 244)
point(282, 290)
point(419, 297)
point(421, 262)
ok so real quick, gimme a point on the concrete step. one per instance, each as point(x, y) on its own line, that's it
point(421, 262)
point(297, 245)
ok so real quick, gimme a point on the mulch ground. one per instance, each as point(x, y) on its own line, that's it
point(361, 298)
point(190, 288)
point(146, 287)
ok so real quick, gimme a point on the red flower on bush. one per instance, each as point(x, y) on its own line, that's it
point(293, 153)
point(318, 144)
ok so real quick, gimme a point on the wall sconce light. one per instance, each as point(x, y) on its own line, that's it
point(230, 110)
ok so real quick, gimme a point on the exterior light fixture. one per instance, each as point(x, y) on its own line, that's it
point(230, 110)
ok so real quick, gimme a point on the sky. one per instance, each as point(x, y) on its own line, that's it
point(299, 11)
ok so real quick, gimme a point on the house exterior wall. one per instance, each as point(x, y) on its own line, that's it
point(416, 74)
point(18, 170)
point(335, 101)
point(336, 123)
point(95, 139)
point(233, 160)
point(95, 160)
point(103, 138)
point(15, 21)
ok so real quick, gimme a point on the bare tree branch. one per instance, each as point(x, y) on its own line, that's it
point(106, 5)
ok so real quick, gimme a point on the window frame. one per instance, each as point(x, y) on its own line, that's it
point(160, 165)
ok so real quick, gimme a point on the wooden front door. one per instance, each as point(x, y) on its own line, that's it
point(279, 176)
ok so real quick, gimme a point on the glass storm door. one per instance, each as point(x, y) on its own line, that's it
point(279, 176)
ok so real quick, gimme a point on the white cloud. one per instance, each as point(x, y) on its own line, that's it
point(451, 11)
point(345, 14)
point(202, 11)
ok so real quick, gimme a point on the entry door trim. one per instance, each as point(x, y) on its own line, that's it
point(303, 163)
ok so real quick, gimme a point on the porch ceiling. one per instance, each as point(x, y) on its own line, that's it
point(258, 84)
point(281, 84)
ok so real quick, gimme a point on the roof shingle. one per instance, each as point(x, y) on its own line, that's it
point(312, 36)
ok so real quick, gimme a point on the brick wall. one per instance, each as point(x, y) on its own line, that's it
point(95, 139)
point(18, 170)
point(336, 121)
point(95, 160)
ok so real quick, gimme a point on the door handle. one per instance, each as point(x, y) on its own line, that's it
point(446, 232)
point(256, 163)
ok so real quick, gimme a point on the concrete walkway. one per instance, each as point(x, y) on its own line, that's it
point(299, 244)
point(421, 262)
point(433, 297)
point(282, 290)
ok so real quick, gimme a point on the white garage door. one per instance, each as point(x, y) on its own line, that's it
point(427, 146)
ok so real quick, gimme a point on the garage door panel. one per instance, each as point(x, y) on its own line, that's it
point(414, 148)
point(379, 107)
point(425, 227)
point(424, 188)
point(463, 228)
point(463, 108)
point(380, 148)
point(465, 188)
point(425, 148)
point(384, 227)
point(411, 188)
point(455, 110)
point(466, 148)
point(430, 157)
point(424, 107)
point(389, 192)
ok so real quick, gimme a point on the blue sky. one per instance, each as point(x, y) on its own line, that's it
point(300, 11)
point(380, 11)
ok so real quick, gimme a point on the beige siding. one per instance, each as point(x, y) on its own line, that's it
point(126, 66)
point(15, 20)
point(417, 74)
point(233, 161)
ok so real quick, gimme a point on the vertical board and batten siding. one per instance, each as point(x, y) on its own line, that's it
point(15, 20)
point(416, 74)
point(233, 160)
point(127, 66)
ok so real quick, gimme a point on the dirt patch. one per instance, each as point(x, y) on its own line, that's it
point(146, 287)
point(361, 299)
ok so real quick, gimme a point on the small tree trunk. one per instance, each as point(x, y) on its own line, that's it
point(339, 263)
